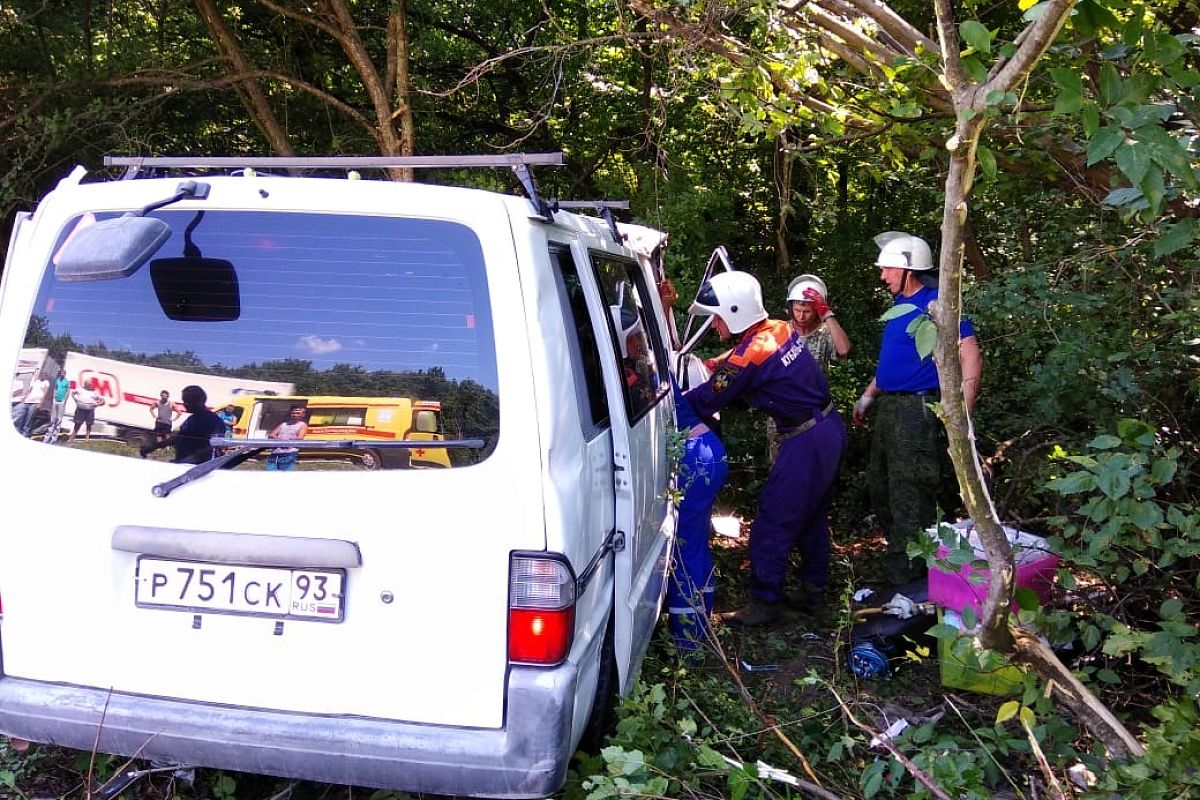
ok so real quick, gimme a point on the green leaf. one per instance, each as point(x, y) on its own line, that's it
point(710, 758)
point(1163, 470)
point(1103, 144)
point(1027, 599)
point(1027, 717)
point(898, 310)
point(1035, 12)
point(1153, 188)
point(1105, 441)
point(926, 338)
point(976, 35)
point(975, 69)
point(872, 779)
point(1134, 159)
point(1112, 90)
point(1074, 483)
point(1025, 5)
point(1113, 482)
point(1108, 676)
point(1135, 431)
point(944, 631)
point(1070, 90)
point(1168, 152)
point(1007, 711)
point(1171, 609)
point(1089, 116)
point(1124, 196)
point(987, 162)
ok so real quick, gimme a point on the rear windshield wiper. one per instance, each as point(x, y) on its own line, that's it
point(246, 449)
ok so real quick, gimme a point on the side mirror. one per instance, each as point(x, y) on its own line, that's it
point(112, 248)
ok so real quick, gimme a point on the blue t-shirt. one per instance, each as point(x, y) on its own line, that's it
point(900, 368)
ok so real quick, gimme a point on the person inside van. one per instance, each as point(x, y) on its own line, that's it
point(192, 442)
point(292, 429)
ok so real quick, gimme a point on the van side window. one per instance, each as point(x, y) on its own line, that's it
point(636, 340)
point(583, 346)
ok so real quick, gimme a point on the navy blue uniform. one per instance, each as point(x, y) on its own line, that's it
point(772, 371)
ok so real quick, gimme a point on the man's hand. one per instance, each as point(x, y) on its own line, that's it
point(819, 305)
point(860, 409)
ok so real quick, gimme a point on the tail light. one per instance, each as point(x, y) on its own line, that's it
point(541, 609)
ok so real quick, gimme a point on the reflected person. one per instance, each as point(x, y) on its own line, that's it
point(193, 441)
point(292, 429)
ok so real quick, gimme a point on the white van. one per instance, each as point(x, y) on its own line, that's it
point(439, 630)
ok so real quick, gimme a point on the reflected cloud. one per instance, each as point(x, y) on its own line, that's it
point(318, 346)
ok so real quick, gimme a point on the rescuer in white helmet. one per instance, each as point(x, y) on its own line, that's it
point(908, 447)
point(770, 369)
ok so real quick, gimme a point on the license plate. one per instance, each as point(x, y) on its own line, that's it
point(311, 594)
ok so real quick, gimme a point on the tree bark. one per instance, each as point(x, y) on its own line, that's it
point(251, 93)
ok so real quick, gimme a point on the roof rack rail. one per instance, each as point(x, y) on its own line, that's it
point(518, 162)
point(604, 209)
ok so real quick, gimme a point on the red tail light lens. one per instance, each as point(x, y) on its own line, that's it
point(541, 610)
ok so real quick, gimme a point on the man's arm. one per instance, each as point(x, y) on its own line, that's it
point(864, 403)
point(972, 369)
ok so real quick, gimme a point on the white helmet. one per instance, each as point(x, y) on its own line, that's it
point(627, 323)
point(904, 251)
point(796, 288)
point(735, 297)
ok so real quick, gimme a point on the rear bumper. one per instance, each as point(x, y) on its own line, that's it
point(526, 758)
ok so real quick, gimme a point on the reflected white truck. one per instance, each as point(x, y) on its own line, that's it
point(131, 390)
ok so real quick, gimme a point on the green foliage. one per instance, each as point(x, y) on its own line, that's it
point(1135, 530)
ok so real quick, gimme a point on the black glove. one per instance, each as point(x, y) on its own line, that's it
point(146, 450)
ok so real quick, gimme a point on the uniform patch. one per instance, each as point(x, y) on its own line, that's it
point(720, 379)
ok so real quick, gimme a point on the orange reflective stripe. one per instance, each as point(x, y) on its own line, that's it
point(767, 339)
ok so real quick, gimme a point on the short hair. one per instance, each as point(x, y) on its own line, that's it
point(193, 394)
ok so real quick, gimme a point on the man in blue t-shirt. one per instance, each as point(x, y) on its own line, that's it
point(908, 441)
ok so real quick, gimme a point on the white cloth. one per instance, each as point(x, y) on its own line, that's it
point(38, 388)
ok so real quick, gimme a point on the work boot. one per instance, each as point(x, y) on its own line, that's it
point(756, 614)
point(809, 599)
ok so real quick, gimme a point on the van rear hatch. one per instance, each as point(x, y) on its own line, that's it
point(318, 586)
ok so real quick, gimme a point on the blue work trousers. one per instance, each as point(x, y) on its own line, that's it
point(793, 510)
point(702, 473)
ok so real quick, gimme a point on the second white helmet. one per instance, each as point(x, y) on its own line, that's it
point(903, 251)
point(735, 297)
point(796, 288)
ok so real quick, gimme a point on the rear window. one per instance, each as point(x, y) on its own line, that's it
point(378, 329)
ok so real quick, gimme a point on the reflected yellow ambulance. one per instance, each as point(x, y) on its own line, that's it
point(363, 419)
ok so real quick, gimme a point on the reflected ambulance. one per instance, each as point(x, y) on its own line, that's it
point(381, 419)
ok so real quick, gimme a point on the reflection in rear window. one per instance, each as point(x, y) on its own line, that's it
point(379, 327)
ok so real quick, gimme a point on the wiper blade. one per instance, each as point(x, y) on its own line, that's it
point(230, 458)
point(248, 448)
point(353, 444)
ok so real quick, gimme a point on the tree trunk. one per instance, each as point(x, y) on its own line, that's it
point(251, 93)
point(398, 61)
point(995, 632)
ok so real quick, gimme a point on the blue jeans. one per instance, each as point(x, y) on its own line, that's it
point(282, 461)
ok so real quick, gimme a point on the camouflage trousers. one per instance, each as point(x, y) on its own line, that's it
point(908, 456)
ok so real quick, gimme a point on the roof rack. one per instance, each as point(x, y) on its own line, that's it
point(518, 162)
point(604, 209)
